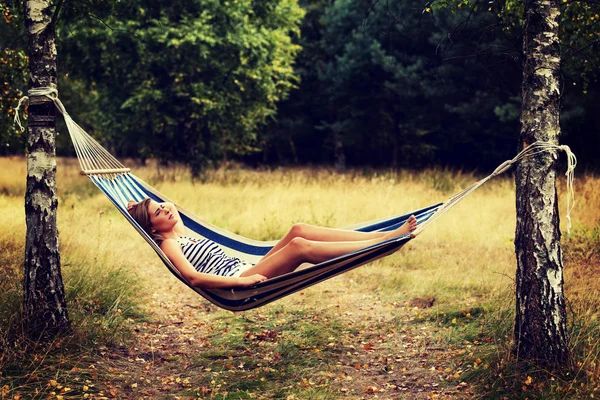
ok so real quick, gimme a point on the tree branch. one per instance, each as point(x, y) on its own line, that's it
point(56, 13)
point(589, 58)
point(489, 50)
point(567, 2)
point(16, 40)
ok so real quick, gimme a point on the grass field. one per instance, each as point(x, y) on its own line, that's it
point(464, 265)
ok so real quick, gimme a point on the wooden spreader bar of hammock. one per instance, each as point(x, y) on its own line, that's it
point(105, 171)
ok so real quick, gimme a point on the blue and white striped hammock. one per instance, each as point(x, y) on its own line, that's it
point(120, 186)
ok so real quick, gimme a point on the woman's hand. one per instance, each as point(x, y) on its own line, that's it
point(245, 281)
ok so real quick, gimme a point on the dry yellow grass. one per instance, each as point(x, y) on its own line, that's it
point(464, 260)
point(467, 254)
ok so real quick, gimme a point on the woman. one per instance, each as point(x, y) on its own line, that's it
point(204, 264)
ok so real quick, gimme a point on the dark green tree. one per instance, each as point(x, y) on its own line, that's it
point(13, 70)
point(414, 82)
point(372, 82)
point(190, 81)
point(290, 136)
point(397, 89)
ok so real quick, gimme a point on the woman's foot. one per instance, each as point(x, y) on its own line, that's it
point(409, 226)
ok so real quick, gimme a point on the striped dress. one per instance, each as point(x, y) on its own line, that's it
point(207, 257)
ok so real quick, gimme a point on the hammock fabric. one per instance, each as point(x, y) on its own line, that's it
point(120, 186)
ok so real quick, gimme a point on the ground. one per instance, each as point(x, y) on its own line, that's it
point(351, 346)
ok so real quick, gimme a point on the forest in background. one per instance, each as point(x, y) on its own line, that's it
point(402, 84)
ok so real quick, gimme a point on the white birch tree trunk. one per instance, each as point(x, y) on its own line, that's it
point(540, 325)
point(44, 308)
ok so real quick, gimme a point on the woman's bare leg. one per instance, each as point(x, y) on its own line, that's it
point(300, 250)
point(320, 234)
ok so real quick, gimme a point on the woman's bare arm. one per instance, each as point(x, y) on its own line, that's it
point(201, 280)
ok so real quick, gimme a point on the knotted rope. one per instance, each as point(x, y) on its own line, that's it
point(93, 158)
point(529, 151)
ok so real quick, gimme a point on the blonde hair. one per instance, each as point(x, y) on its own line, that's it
point(139, 211)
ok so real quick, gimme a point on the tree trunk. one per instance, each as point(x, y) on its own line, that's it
point(396, 132)
point(44, 309)
point(293, 150)
point(340, 156)
point(540, 325)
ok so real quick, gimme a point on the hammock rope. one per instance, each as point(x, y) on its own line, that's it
point(116, 182)
point(529, 151)
point(93, 158)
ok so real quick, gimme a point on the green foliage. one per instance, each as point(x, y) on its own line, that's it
point(579, 66)
point(13, 70)
point(400, 83)
point(395, 89)
point(579, 41)
point(291, 136)
point(579, 36)
point(189, 81)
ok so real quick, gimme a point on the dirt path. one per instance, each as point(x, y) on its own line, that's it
point(355, 346)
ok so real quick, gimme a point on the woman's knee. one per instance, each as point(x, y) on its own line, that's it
point(299, 246)
point(298, 230)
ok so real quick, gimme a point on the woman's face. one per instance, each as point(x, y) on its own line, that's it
point(161, 218)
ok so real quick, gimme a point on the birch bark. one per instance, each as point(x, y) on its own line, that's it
point(540, 325)
point(44, 308)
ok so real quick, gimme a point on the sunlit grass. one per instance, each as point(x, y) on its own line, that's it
point(465, 260)
point(468, 252)
point(102, 289)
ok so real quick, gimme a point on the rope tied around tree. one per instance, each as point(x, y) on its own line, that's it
point(529, 151)
point(93, 158)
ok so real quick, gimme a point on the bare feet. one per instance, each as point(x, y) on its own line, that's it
point(409, 226)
